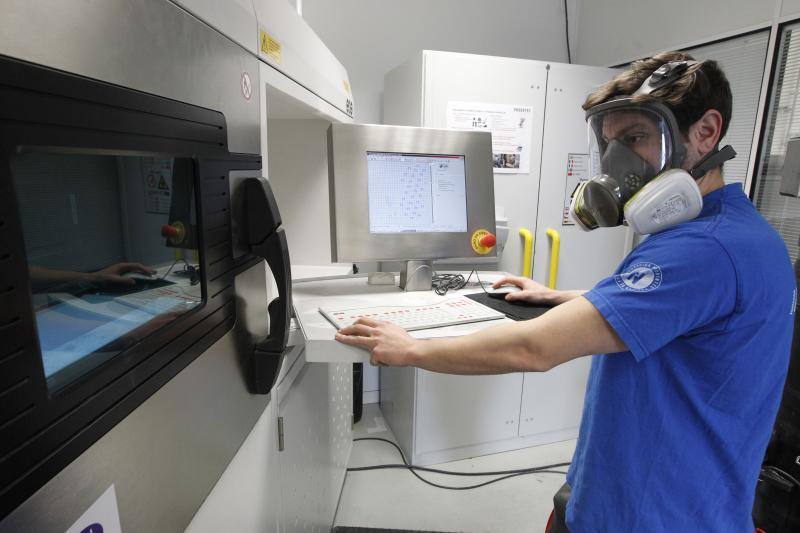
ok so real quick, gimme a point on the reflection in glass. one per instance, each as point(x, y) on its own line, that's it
point(111, 246)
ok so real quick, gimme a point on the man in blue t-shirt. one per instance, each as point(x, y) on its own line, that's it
point(695, 324)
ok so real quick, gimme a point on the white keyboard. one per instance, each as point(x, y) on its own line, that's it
point(458, 310)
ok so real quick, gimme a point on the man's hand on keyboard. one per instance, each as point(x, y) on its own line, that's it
point(388, 344)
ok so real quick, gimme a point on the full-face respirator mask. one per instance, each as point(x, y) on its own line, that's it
point(636, 157)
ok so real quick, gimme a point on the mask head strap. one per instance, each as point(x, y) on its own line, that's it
point(663, 76)
point(712, 159)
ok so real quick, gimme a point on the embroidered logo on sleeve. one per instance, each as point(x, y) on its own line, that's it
point(641, 277)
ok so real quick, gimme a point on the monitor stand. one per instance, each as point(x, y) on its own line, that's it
point(416, 275)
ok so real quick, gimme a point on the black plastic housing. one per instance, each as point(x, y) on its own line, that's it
point(41, 432)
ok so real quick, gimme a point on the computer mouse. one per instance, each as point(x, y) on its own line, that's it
point(500, 292)
point(139, 275)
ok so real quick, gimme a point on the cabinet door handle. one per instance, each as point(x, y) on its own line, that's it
point(527, 253)
point(555, 247)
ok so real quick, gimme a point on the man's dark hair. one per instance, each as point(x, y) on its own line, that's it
point(688, 97)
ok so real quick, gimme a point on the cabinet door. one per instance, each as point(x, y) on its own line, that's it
point(585, 257)
point(451, 77)
point(247, 497)
point(455, 411)
point(553, 400)
point(316, 414)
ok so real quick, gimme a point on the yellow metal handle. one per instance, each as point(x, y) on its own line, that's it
point(527, 254)
point(555, 247)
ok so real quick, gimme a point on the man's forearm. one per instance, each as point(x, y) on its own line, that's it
point(42, 277)
point(557, 297)
point(563, 333)
point(497, 350)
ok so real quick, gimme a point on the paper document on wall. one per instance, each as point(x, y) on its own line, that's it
point(577, 171)
point(510, 126)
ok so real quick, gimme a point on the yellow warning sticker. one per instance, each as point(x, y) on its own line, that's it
point(346, 86)
point(270, 46)
point(476, 242)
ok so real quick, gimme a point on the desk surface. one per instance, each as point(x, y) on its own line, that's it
point(353, 292)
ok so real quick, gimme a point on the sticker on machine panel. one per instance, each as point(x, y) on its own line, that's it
point(157, 172)
point(577, 171)
point(270, 46)
point(640, 277)
point(101, 517)
point(247, 86)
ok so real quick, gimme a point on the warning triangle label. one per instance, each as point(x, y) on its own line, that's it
point(162, 184)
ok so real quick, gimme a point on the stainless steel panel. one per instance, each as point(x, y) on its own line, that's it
point(150, 45)
point(317, 419)
point(166, 456)
point(347, 166)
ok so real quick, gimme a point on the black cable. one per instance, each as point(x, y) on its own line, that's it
point(566, 23)
point(507, 474)
point(442, 283)
point(783, 473)
point(452, 282)
point(480, 282)
point(185, 262)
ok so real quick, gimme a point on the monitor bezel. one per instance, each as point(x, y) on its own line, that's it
point(351, 240)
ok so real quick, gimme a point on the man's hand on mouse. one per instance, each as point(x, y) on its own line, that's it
point(388, 344)
point(531, 291)
point(113, 275)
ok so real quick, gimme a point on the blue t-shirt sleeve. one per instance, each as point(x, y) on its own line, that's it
point(667, 287)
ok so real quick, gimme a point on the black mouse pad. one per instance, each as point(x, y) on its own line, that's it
point(514, 311)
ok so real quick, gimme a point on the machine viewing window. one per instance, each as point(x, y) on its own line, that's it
point(112, 251)
point(416, 193)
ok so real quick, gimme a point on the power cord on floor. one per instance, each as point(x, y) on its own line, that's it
point(506, 474)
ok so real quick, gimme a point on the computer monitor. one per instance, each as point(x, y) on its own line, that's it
point(409, 194)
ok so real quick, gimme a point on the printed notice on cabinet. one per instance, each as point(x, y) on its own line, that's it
point(577, 171)
point(510, 126)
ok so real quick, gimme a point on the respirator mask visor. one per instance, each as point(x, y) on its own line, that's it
point(629, 145)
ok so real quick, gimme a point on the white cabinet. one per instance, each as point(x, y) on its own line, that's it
point(585, 257)
point(466, 410)
point(438, 418)
point(442, 77)
point(417, 93)
point(552, 401)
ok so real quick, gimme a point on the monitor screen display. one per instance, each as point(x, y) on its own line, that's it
point(416, 193)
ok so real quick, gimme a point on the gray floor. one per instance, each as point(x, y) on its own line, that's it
point(396, 499)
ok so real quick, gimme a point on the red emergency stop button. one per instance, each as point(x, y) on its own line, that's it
point(488, 240)
point(169, 231)
point(175, 232)
point(483, 241)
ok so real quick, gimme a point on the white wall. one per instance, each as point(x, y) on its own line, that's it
point(372, 37)
point(616, 31)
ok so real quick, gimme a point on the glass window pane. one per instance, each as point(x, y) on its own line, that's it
point(742, 59)
point(112, 252)
point(782, 123)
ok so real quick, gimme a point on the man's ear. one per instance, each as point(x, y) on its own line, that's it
point(704, 134)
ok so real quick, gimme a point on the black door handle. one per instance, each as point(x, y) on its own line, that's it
point(267, 239)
